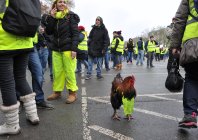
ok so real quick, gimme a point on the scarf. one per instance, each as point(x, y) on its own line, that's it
point(61, 14)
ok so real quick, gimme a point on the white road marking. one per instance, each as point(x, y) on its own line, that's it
point(164, 98)
point(142, 110)
point(86, 130)
point(110, 133)
point(82, 81)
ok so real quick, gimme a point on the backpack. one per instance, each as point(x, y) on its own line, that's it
point(174, 81)
point(22, 17)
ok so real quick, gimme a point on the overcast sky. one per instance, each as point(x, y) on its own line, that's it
point(131, 16)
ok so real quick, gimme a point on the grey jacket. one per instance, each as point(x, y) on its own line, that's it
point(181, 18)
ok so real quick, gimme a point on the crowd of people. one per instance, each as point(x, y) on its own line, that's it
point(63, 45)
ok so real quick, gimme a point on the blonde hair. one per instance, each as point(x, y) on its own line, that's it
point(70, 3)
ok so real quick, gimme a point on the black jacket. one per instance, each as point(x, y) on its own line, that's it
point(98, 41)
point(65, 32)
point(130, 46)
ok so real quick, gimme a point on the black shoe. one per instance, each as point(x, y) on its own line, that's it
point(88, 77)
point(100, 77)
point(44, 105)
point(189, 121)
point(107, 69)
point(152, 66)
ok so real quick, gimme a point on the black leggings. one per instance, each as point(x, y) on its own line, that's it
point(13, 77)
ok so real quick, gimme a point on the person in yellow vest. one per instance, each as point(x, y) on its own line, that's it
point(113, 50)
point(63, 25)
point(150, 47)
point(119, 47)
point(185, 36)
point(157, 53)
point(14, 53)
point(82, 55)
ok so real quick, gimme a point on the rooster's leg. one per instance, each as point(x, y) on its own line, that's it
point(129, 117)
point(115, 116)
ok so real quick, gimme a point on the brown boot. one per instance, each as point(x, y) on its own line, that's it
point(117, 67)
point(71, 98)
point(120, 66)
point(54, 96)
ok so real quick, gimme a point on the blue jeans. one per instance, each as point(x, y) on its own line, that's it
point(35, 68)
point(190, 92)
point(91, 62)
point(113, 58)
point(130, 55)
point(106, 58)
point(43, 55)
point(79, 62)
point(140, 57)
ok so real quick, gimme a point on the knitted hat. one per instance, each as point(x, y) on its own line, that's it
point(81, 28)
point(119, 32)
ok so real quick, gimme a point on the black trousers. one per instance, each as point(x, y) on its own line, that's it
point(13, 76)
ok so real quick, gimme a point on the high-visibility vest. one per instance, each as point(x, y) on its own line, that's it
point(113, 43)
point(157, 50)
point(12, 42)
point(191, 30)
point(83, 44)
point(120, 47)
point(151, 46)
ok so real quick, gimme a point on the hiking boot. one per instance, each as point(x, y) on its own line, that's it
point(71, 98)
point(54, 96)
point(44, 105)
point(88, 77)
point(100, 77)
point(189, 121)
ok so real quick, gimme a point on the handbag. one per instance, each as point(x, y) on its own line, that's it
point(189, 52)
point(174, 81)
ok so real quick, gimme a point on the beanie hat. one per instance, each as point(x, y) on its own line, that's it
point(100, 19)
point(81, 28)
point(119, 32)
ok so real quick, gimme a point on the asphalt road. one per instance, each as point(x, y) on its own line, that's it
point(156, 115)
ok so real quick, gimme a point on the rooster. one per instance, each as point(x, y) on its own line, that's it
point(123, 93)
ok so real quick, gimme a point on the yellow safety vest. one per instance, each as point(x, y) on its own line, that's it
point(120, 47)
point(113, 43)
point(157, 50)
point(83, 44)
point(12, 42)
point(151, 46)
point(191, 30)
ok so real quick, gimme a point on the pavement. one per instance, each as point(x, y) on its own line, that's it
point(156, 115)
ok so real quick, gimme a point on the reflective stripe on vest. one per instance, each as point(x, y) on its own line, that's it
point(120, 47)
point(151, 46)
point(83, 44)
point(191, 30)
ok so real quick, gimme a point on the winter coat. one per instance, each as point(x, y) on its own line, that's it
point(130, 46)
point(180, 24)
point(98, 41)
point(65, 32)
